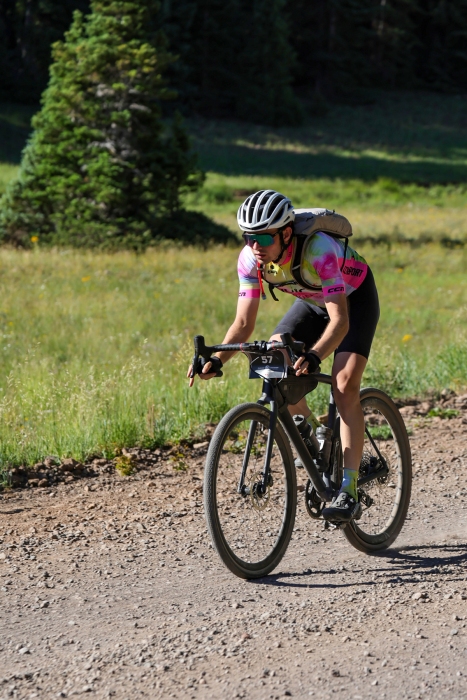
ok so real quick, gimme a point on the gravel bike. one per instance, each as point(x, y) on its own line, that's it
point(250, 485)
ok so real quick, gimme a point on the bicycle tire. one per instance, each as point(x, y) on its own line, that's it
point(234, 519)
point(366, 534)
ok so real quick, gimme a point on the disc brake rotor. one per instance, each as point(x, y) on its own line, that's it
point(259, 500)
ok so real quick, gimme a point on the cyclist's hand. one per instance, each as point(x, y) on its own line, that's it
point(207, 369)
point(306, 364)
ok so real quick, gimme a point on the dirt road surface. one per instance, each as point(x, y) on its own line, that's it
point(110, 589)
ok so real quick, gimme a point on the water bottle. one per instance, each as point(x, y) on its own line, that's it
point(306, 431)
point(324, 437)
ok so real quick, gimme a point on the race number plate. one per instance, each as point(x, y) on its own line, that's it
point(270, 366)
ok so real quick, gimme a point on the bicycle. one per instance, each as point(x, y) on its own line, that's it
point(250, 486)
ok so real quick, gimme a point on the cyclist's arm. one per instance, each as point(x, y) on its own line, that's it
point(243, 326)
point(337, 328)
point(239, 332)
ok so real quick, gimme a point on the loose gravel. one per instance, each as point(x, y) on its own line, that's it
point(110, 589)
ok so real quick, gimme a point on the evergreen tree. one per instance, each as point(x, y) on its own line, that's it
point(265, 61)
point(235, 58)
point(27, 30)
point(442, 54)
point(346, 45)
point(101, 169)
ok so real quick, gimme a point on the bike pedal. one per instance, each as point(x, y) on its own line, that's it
point(333, 525)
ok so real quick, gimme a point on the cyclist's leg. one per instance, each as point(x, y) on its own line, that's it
point(347, 374)
point(349, 363)
point(306, 323)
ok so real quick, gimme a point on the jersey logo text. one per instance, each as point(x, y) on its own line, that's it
point(353, 271)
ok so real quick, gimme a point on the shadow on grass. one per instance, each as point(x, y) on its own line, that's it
point(242, 160)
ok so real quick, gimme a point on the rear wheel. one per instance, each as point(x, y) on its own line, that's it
point(385, 500)
point(250, 530)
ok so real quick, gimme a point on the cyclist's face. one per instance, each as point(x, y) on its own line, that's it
point(266, 254)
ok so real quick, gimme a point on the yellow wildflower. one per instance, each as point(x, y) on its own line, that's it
point(407, 337)
point(34, 239)
point(85, 279)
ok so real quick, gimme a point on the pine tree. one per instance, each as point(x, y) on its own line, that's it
point(101, 169)
point(235, 58)
point(27, 30)
point(442, 56)
point(264, 66)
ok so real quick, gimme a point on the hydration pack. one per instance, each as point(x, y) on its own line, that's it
point(307, 223)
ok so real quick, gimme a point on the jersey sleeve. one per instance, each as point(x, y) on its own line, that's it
point(326, 258)
point(248, 275)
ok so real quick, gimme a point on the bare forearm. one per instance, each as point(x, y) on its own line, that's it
point(334, 334)
point(237, 333)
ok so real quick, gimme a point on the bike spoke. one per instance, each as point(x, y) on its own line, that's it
point(385, 492)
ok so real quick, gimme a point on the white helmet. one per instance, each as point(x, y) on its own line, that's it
point(264, 210)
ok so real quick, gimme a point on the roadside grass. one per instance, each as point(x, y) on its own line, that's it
point(94, 348)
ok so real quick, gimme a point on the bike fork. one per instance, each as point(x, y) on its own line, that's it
point(267, 457)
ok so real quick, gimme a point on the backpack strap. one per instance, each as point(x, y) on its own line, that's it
point(295, 268)
point(346, 245)
point(271, 292)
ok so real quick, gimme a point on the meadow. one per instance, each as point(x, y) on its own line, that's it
point(94, 347)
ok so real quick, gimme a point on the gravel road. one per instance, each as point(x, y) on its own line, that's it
point(110, 589)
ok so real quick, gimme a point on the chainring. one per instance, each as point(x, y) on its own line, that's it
point(314, 504)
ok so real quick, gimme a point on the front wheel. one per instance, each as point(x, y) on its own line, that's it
point(251, 529)
point(385, 500)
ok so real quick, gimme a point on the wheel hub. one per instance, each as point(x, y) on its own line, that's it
point(259, 498)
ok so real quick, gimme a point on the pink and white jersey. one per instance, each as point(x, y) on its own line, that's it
point(323, 268)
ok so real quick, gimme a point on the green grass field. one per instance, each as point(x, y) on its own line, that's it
point(94, 347)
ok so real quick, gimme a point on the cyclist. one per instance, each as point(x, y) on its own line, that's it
point(337, 315)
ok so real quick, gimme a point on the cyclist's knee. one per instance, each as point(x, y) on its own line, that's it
point(346, 390)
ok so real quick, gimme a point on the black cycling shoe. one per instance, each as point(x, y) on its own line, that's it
point(343, 508)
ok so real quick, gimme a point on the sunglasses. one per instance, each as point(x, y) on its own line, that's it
point(262, 239)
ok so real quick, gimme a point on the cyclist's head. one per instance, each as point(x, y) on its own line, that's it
point(265, 210)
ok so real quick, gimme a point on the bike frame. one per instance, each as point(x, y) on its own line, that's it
point(323, 485)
